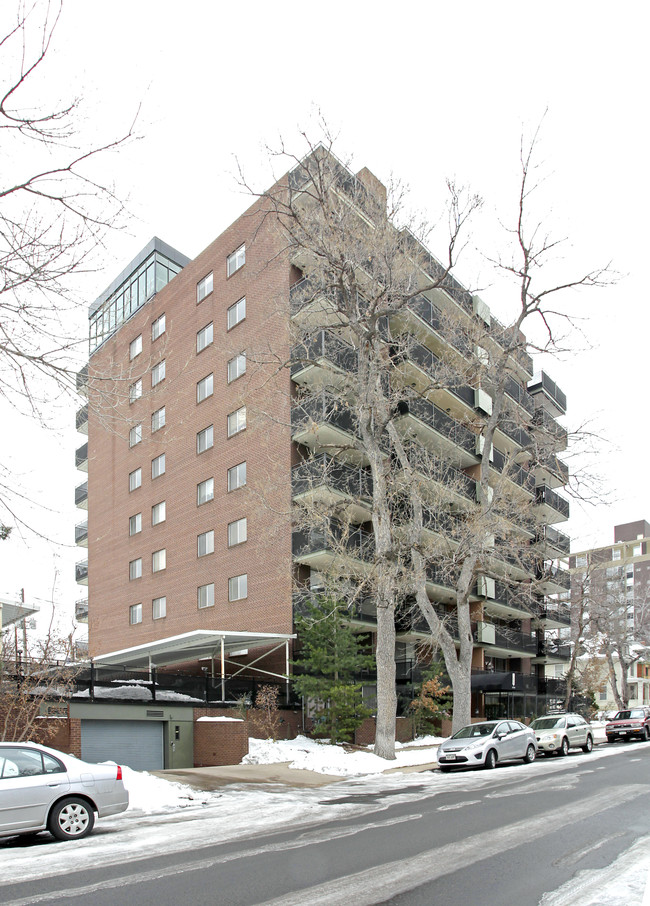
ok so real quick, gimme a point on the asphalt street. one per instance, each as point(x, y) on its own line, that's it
point(506, 836)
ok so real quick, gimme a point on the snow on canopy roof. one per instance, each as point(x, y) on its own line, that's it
point(200, 643)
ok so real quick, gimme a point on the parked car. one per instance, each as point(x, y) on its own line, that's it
point(42, 789)
point(633, 723)
point(557, 733)
point(484, 744)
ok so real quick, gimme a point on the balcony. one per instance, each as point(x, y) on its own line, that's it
point(501, 642)
point(553, 580)
point(552, 543)
point(81, 496)
point(438, 430)
point(81, 610)
point(82, 381)
point(554, 614)
point(549, 470)
point(552, 433)
point(550, 506)
point(543, 388)
point(322, 358)
point(323, 422)
point(81, 572)
point(81, 420)
point(324, 480)
point(81, 534)
point(81, 457)
point(324, 546)
point(552, 651)
point(508, 603)
point(521, 477)
point(424, 369)
point(519, 395)
point(489, 681)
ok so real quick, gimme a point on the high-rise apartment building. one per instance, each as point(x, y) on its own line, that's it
point(205, 427)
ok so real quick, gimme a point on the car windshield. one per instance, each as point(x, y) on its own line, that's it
point(548, 723)
point(474, 731)
point(634, 714)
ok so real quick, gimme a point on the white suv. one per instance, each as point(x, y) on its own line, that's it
point(558, 733)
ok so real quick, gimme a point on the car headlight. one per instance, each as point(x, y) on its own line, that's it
point(475, 745)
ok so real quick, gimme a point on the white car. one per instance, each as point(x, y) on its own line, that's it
point(42, 789)
point(482, 745)
point(558, 733)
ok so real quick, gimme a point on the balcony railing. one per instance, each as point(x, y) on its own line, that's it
point(335, 538)
point(441, 423)
point(81, 457)
point(323, 470)
point(322, 409)
point(550, 498)
point(558, 611)
point(81, 419)
point(81, 572)
point(558, 540)
point(323, 345)
point(82, 381)
point(542, 382)
point(546, 423)
point(431, 364)
point(81, 494)
point(557, 575)
point(489, 681)
point(515, 473)
point(519, 395)
point(81, 610)
point(554, 648)
point(81, 532)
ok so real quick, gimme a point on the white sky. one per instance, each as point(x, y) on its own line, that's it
point(425, 92)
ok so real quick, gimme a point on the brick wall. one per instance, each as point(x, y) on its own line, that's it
point(219, 742)
point(365, 735)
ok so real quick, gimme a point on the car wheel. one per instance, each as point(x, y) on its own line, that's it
point(529, 757)
point(444, 769)
point(588, 746)
point(646, 734)
point(71, 819)
point(564, 748)
point(490, 760)
point(610, 739)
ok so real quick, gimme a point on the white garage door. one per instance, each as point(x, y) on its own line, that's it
point(136, 743)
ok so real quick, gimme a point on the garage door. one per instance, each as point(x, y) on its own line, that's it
point(136, 743)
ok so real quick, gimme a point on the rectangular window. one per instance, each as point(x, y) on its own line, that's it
point(159, 608)
point(204, 439)
point(204, 288)
point(236, 260)
point(236, 313)
point(135, 568)
point(236, 367)
point(237, 476)
point(158, 373)
point(205, 388)
point(158, 419)
point(135, 347)
point(581, 560)
point(205, 595)
point(135, 435)
point(158, 327)
point(205, 337)
point(238, 588)
point(616, 553)
point(135, 390)
point(135, 479)
point(237, 532)
point(205, 544)
point(135, 524)
point(158, 560)
point(158, 466)
point(158, 512)
point(135, 614)
point(636, 550)
point(205, 491)
point(237, 421)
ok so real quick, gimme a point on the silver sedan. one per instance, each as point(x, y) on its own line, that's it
point(482, 745)
point(42, 789)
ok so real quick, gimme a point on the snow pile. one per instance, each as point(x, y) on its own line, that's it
point(323, 758)
point(149, 794)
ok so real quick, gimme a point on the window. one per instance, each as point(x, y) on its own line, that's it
point(205, 388)
point(135, 524)
point(237, 532)
point(204, 337)
point(205, 595)
point(236, 367)
point(135, 569)
point(581, 560)
point(204, 288)
point(158, 327)
point(236, 313)
point(236, 260)
point(636, 550)
point(135, 347)
point(238, 588)
point(135, 391)
point(204, 439)
point(158, 512)
point(205, 544)
point(205, 491)
point(616, 553)
point(158, 373)
point(158, 466)
point(237, 476)
point(135, 479)
point(135, 614)
point(237, 421)
point(158, 419)
point(158, 560)
point(135, 435)
point(159, 608)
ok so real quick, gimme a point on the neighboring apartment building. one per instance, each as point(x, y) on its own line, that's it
point(198, 443)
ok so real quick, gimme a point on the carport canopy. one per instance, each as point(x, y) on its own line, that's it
point(201, 644)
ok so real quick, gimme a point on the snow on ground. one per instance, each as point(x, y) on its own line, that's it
point(148, 793)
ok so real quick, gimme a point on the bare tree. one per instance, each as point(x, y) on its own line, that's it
point(54, 215)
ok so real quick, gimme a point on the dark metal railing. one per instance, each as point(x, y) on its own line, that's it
point(550, 498)
point(80, 532)
point(442, 423)
point(324, 344)
point(81, 493)
point(544, 382)
point(81, 418)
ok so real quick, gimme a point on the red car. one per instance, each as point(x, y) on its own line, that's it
point(633, 723)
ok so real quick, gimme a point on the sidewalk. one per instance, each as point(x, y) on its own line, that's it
point(213, 778)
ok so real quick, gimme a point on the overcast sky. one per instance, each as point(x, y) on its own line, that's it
point(419, 91)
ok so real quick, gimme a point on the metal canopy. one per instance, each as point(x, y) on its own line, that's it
point(190, 646)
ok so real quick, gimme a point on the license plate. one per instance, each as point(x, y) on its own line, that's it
point(450, 757)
